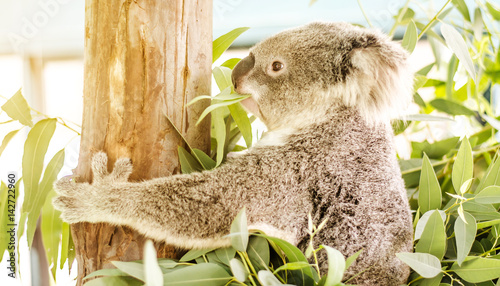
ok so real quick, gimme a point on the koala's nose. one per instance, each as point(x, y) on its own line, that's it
point(242, 69)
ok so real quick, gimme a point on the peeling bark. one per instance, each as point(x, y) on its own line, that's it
point(144, 60)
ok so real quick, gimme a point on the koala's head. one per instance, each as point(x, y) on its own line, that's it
point(298, 75)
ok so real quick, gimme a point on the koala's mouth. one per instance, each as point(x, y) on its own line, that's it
point(251, 105)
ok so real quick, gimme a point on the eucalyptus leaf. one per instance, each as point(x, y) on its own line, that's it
point(222, 76)
point(258, 252)
point(427, 265)
point(239, 232)
point(462, 7)
point(225, 254)
point(238, 270)
point(18, 109)
point(231, 63)
point(489, 195)
point(7, 139)
point(113, 280)
point(477, 269)
point(451, 107)
point(35, 147)
point(457, 44)
point(433, 238)
point(206, 274)
point(429, 195)
point(241, 118)
point(188, 163)
point(51, 229)
point(410, 37)
point(293, 254)
point(492, 175)
point(465, 234)
point(352, 258)
point(194, 253)
point(133, 269)
point(222, 43)
point(463, 166)
point(336, 266)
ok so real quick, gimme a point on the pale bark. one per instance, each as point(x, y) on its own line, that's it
point(144, 60)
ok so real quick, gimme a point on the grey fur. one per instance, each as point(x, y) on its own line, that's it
point(328, 152)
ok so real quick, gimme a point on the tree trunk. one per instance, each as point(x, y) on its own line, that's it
point(144, 61)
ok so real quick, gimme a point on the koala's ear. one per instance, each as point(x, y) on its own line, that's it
point(381, 83)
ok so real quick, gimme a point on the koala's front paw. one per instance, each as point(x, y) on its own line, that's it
point(92, 202)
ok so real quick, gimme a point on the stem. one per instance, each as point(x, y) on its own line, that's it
point(399, 18)
point(244, 259)
point(364, 14)
point(432, 21)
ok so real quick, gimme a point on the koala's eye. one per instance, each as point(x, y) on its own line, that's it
point(277, 66)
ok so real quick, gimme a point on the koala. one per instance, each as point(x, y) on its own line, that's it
point(327, 93)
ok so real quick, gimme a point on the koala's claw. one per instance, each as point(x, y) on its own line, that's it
point(100, 165)
point(65, 186)
point(122, 170)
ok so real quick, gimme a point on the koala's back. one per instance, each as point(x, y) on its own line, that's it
point(346, 172)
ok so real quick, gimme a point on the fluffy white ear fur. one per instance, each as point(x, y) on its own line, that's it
point(381, 84)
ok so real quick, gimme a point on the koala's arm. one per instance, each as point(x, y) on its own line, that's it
point(193, 210)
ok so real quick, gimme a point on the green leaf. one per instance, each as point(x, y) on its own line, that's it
point(292, 266)
point(426, 265)
point(17, 108)
point(462, 168)
point(451, 107)
point(219, 130)
point(456, 43)
point(336, 266)
point(206, 162)
point(152, 271)
point(489, 195)
point(194, 253)
point(133, 269)
point(219, 104)
point(225, 254)
point(477, 26)
point(433, 238)
point(492, 175)
point(435, 150)
point(410, 38)
point(113, 280)
point(427, 117)
point(222, 77)
point(239, 231)
point(425, 70)
point(238, 270)
point(188, 162)
point(51, 227)
point(35, 148)
point(106, 272)
point(7, 139)
point(258, 252)
point(241, 118)
point(351, 259)
point(222, 43)
point(429, 195)
point(267, 278)
point(293, 254)
point(465, 234)
point(462, 7)
point(477, 269)
point(206, 274)
point(494, 10)
point(231, 63)
point(67, 247)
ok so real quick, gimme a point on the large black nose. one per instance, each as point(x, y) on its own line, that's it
point(242, 69)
